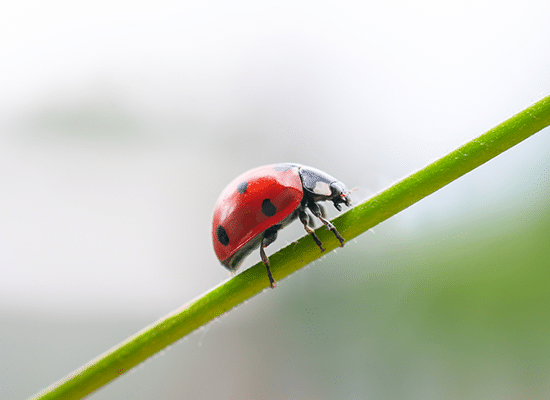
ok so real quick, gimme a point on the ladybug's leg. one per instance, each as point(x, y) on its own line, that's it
point(304, 218)
point(314, 207)
point(269, 237)
point(322, 209)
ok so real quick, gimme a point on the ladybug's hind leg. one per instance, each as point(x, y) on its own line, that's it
point(316, 210)
point(269, 237)
point(305, 219)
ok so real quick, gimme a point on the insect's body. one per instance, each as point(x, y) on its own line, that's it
point(257, 204)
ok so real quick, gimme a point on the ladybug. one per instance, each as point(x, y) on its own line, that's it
point(257, 204)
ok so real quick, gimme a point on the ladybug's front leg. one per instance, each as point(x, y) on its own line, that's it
point(304, 218)
point(269, 237)
point(317, 212)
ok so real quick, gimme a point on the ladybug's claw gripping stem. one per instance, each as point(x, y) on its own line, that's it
point(263, 245)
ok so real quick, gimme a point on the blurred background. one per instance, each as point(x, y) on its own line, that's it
point(121, 122)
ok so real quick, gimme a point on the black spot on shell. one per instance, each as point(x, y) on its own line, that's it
point(221, 234)
point(242, 187)
point(268, 208)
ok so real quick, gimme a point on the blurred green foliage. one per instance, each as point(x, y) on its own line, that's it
point(455, 316)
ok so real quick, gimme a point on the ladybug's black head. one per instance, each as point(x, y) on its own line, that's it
point(340, 194)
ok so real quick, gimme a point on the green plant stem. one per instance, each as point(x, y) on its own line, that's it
point(359, 219)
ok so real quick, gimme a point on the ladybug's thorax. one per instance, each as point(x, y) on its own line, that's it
point(320, 185)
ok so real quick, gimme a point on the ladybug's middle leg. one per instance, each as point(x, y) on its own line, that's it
point(304, 218)
point(314, 208)
point(269, 237)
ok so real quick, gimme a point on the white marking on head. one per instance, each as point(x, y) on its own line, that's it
point(322, 188)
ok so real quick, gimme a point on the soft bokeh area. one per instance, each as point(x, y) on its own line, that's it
point(121, 122)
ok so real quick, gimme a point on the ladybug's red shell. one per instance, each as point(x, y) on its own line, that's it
point(250, 204)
